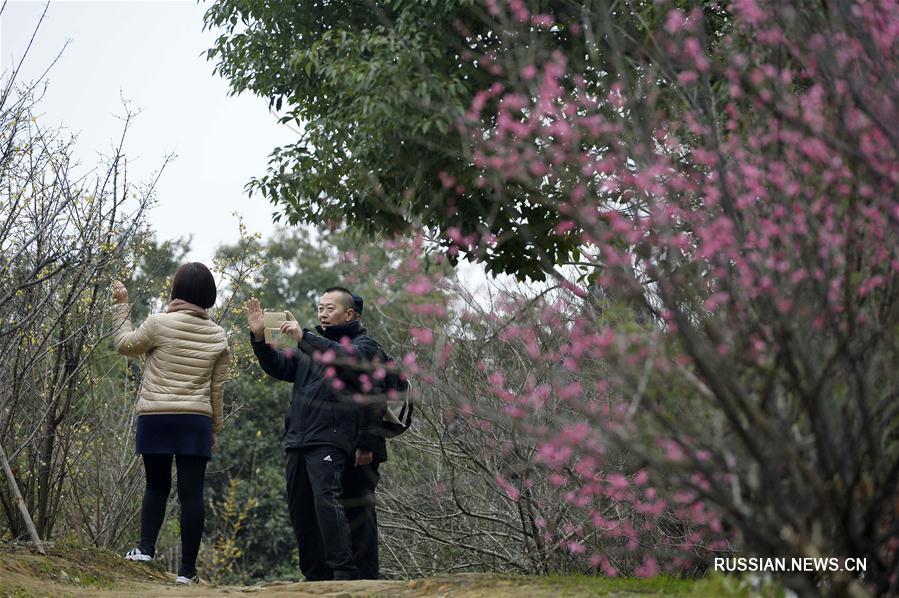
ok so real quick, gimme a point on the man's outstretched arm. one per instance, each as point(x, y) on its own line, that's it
point(278, 364)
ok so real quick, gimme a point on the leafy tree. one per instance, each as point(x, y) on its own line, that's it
point(379, 89)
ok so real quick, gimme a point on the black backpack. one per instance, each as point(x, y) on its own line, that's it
point(397, 391)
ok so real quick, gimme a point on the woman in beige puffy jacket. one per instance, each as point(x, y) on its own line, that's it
point(179, 405)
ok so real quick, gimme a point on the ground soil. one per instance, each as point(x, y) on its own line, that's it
point(79, 571)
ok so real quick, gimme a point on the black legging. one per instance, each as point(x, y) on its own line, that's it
point(191, 478)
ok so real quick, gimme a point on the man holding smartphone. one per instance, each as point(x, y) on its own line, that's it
point(322, 427)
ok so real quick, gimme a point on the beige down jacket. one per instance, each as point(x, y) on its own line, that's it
point(186, 364)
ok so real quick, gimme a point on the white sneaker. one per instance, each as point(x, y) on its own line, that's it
point(135, 554)
point(187, 580)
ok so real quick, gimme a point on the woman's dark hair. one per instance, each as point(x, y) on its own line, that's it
point(194, 283)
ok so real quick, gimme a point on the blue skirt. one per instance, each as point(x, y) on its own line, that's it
point(165, 434)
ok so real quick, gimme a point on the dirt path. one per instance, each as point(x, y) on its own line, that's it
point(78, 571)
point(90, 572)
point(462, 585)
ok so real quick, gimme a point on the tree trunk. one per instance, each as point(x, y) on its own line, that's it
point(23, 510)
point(45, 465)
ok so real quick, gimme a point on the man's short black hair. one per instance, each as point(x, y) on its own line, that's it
point(346, 296)
point(357, 303)
point(195, 284)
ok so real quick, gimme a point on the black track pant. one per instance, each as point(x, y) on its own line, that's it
point(359, 485)
point(191, 479)
point(319, 523)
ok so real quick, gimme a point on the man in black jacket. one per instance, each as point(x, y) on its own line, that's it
point(360, 478)
point(324, 428)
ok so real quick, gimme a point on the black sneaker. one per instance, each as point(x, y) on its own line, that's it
point(181, 579)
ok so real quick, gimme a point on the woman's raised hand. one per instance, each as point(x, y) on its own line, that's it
point(254, 318)
point(119, 292)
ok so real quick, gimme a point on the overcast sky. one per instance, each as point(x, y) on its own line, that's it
point(151, 53)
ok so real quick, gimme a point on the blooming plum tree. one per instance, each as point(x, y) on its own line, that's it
point(732, 322)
